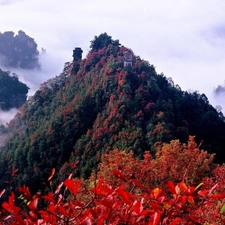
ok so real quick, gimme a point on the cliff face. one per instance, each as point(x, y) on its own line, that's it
point(97, 105)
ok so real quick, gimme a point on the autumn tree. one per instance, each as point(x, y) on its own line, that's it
point(175, 161)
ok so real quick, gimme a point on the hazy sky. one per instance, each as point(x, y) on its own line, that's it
point(184, 39)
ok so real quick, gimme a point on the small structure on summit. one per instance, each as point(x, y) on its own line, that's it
point(128, 58)
point(77, 54)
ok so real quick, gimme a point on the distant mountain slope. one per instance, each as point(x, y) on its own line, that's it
point(13, 93)
point(18, 51)
point(102, 105)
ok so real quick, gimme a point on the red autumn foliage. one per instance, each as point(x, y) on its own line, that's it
point(174, 161)
point(179, 204)
point(126, 190)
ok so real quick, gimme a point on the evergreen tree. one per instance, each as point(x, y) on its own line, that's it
point(101, 41)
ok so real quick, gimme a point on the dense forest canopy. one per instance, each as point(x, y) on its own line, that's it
point(13, 93)
point(18, 51)
point(100, 106)
point(101, 41)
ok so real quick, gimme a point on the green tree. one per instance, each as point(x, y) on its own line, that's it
point(101, 41)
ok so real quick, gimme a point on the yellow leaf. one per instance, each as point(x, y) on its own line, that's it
point(156, 192)
point(198, 186)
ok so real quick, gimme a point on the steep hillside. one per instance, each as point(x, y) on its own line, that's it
point(97, 105)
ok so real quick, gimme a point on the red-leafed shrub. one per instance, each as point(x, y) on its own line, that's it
point(164, 190)
point(177, 204)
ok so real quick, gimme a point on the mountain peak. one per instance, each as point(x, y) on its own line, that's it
point(109, 100)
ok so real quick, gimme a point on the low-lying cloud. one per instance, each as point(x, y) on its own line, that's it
point(51, 66)
point(6, 116)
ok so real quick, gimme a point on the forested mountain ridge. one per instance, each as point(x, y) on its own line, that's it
point(97, 105)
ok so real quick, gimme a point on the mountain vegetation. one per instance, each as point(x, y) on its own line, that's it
point(18, 51)
point(127, 190)
point(13, 93)
point(97, 106)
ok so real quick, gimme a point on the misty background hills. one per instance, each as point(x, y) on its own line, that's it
point(20, 56)
point(112, 99)
point(21, 60)
point(18, 51)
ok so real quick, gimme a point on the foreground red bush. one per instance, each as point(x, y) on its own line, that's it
point(124, 191)
point(179, 205)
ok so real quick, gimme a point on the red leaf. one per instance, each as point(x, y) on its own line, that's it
point(190, 190)
point(171, 187)
point(161, 199)
point(154, 219)
point(62, 210)
point(126, 196)
point(137, 207)
point(7, 207)
point(71, 186)
point(33, 204)
point(155, 206)
point(119, 174)
point(52, 174)
point(176, 221)
point(76, 187)
point(51, 207)
point(202, 193)
point(11, 199)
point(138, 184)
point(101, 189)
point(107, 203)
point(10, 208)
point(25, 191)
point(49, 197)
point(145, 212)
point(183, 200)
point(220, 196)
point(101, 221)
point(195, 218)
